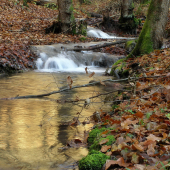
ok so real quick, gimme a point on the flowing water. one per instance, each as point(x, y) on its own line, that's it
point(31, 132)
point(34, 132)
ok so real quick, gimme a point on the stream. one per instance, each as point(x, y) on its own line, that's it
point(34, 132)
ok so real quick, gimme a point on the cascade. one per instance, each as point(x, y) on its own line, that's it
point(54, 58)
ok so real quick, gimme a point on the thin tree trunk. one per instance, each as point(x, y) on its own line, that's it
point(127, 9)
point(66, 17)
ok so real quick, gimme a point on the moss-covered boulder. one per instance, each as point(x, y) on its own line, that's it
point(130, 45)
point(117, 69)
point(93, 161)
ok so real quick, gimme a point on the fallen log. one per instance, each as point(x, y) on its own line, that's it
point(95, 46)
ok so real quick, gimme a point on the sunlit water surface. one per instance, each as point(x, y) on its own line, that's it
point(31, 135)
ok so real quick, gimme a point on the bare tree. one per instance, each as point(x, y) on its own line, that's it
point(151, 36)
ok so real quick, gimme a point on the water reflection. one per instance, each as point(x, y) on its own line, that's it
point(31, 135)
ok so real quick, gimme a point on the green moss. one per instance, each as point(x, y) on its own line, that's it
point(94, 133)
point(128, 43)
point(111, 139)
point(118, 62)
point(115, 66)
point(83, 28)
point(97, 146)
point(82, 38)
point(144, 44)
point(93, 161)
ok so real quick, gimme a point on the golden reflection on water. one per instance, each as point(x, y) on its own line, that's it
point(30, 133)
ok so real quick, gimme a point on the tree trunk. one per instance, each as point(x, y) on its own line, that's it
point(127, 9)
point(66, 17)
point(151, 36)
point(25, 3)
point(143, 1)
point(127, 21)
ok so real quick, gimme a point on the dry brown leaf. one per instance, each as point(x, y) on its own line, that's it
point(119, 162)
point(120, 140)
point(138, 147)
point(105, 148)
point(108, 153)
point(139, 114)
point(151, 150)
point(92, 74)
point(69, 80)
point(135, 158)
point(103, 141)
point(139, 167)
point(128, 122)
point(86, 70)
point(153, 138)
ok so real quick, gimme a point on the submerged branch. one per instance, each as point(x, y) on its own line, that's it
point(74, 87)
point(62, 90)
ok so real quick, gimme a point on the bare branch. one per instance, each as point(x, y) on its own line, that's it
point(59, 91)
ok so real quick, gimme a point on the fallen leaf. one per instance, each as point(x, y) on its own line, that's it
point(151, 150)
point(138, 147)
point(103, 141)
point(119, 162)
point(86, 70)
point(153, 138)
point(91, 75)
point(69, 80)
point(105, 148)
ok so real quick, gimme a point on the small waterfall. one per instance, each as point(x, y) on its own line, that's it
point(59, 62)
point(73, 61)
point(92, 32)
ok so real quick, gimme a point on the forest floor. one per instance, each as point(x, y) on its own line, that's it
point(23, 26)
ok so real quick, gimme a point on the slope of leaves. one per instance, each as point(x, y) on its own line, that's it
point(140, 119)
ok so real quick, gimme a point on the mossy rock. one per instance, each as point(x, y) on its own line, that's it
point(117, 69)
point(93, 161)
point(130, 45)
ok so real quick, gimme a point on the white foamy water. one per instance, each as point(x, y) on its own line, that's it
point(99, 34)
point(93, 32)
point(63, 62)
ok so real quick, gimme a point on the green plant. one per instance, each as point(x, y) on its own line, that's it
point(131, 111)
point(168, 115)
point(82, 38)
point(51, 6)
point(148, 115)
point(163, 110)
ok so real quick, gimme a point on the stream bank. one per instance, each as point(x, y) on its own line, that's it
point(135, 134)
